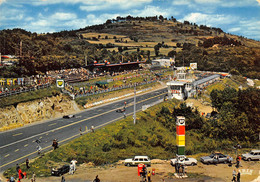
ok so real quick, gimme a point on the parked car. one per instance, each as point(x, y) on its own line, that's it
point(187, 161)
point(208, 115)
point(138, 160)
point(216, 158)
point(69, 116)
point(120, 110)
point(252, 155)
point(60, 170)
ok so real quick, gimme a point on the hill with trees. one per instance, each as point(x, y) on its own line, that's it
point(128, 39)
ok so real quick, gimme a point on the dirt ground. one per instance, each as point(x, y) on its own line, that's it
point(201, 108)
point(163, 170)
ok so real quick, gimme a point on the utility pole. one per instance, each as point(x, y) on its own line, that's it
point(134, 116)
point(21, 47)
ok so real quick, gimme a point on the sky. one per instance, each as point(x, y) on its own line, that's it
point(239, 17)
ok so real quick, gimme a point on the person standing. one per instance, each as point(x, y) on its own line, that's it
point(20, 174)
point(62, 178)
point(17, 167)
point(92, 129)
point(80, 131)
point(238, 176)
point(234, 175)
point(27, 163)
point(34, 177)
point(71, 168)
point(55, 144)
point(149, 176)
point(239, 158)
point(12, 179)
point(74, 164)
point(96, 179)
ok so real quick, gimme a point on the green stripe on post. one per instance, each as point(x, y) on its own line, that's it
point(181, 150)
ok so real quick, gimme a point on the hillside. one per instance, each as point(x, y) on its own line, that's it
point(131, 38)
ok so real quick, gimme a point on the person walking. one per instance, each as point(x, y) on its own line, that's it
point(149, 176)
point(238, 176)
point(234, 175)
point(27, 163)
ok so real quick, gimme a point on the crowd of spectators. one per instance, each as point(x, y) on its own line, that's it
point(24, 85)
point(70, 75)
point(94, 88)
point(79, 75)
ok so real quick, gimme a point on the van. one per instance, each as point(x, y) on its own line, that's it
point(138, 160)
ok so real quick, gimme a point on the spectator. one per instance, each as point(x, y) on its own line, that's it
point(96, 179)
point(27, 163)
point(238, 176)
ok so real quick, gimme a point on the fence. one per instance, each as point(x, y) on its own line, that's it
point(23, 90)
point(113, 89)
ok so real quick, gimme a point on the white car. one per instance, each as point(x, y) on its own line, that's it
point(253, 155)
point(138, 160)
point(187, 161)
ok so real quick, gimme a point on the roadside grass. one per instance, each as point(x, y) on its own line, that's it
point(29, 96)
point(107, 145)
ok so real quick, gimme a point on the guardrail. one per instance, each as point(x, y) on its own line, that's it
point(15, 92)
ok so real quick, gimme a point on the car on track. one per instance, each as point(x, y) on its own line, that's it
point(187, 161)
point(137, 160)
point(216, 158)
point(252, 155)
point(58, 171)
point(120, 110)
point(69, 116)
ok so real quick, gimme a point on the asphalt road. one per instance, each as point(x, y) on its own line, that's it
point(19, 144)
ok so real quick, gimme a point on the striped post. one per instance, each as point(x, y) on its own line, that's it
point(180, 135)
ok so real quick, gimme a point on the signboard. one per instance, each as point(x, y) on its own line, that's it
point(60, 83)
point(193, 66)
point(140, 169)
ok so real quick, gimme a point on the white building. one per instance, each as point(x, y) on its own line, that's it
point(163, 62)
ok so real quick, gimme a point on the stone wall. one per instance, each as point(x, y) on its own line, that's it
point(37, 110)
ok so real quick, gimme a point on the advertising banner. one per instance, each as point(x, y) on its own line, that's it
point(193, 66)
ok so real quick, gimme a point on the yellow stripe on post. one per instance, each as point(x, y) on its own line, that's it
point(180, 142)
point(180, 137)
